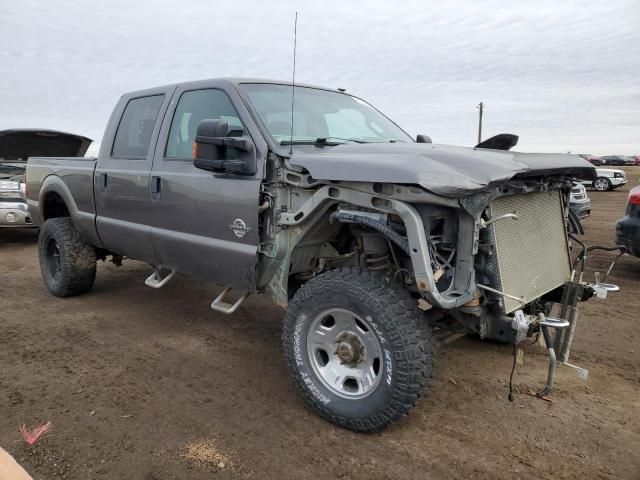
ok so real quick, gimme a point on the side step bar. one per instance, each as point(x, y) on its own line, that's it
point(155, 280)
point(219, 305)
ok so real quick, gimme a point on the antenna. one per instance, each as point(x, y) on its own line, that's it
point(293, 80)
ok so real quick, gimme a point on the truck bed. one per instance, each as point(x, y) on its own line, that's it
point(71, 178)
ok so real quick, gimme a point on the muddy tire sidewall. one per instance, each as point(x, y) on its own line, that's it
point(406, 366)
point(370, 405)
point(77, 259)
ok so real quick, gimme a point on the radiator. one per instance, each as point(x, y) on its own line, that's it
point(532, 252)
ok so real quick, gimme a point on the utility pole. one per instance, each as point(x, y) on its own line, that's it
point(481, 109)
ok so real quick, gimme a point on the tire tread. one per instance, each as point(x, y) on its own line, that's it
point(78, 271)
point(413, 337)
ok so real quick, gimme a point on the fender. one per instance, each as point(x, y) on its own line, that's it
point(85, 222)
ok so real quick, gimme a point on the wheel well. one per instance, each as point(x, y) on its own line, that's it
point(328, 246)
point(54, 206)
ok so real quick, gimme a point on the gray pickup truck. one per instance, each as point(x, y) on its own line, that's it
point(370, 239)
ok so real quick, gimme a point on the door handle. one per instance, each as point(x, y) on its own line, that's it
point(156, 183)
point(103, 182)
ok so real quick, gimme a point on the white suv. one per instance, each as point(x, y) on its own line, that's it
point(608, 179)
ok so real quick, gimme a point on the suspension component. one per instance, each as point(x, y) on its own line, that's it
point(377, 260)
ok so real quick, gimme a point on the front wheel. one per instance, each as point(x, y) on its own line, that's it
point(67, 263)
point(602, 184)
point(357, 348)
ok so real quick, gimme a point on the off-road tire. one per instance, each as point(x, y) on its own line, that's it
point(602, 184)
point(404, 336)
point(74, 272)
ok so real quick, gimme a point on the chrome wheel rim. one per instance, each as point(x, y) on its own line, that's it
point(345, 353)
point(601, 184)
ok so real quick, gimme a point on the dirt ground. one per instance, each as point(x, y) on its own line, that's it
point(152, 385)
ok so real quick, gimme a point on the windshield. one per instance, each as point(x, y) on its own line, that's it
point(320, 116)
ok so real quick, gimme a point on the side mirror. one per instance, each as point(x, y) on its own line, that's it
point(423, 139)
point(218, 149)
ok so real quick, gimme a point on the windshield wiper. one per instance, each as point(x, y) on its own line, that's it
point(309, 142)
point(321, 141)
point(326, 139)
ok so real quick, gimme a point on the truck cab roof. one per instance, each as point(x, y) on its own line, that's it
point(226, 81)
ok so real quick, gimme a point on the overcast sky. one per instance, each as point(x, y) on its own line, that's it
point(564, 75)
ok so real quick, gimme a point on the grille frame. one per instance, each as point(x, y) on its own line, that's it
point(532, 252)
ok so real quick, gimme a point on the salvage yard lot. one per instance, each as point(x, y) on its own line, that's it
point(152, 385)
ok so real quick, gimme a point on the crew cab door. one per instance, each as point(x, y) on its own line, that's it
point(121, 179)
point(193, 210)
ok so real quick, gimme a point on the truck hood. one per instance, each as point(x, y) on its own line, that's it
point(442, 169)
point(20, 144)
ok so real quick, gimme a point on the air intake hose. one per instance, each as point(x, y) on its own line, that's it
point(369, 222)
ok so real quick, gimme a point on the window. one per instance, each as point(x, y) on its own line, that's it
point(320, 113)
point(351, 123)
point(193, 107)
point(136, 126)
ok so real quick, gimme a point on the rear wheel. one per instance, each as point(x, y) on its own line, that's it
point(67, 263)
point(602, 184)
point(357, 348)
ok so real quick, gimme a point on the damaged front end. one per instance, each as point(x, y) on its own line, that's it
point(496, 261)
point(525, 281)
point(520, 254)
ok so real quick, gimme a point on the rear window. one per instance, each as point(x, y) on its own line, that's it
point(136, 126)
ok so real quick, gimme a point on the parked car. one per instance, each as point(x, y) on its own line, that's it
point(15, 147)
point(595, 160)
point(628, 227)
point(13, 206)
point(367, 237)
point(579, 201)
point(607, 179)
point(619, 160)
point(636, 160)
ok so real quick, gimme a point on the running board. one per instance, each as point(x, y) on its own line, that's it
point(155, 280)
point(219, 305)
